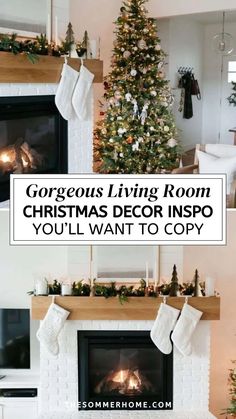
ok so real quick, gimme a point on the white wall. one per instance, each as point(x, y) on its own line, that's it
point(182, 39)
point(20, 266)
point(213, 113)
point(160, 8)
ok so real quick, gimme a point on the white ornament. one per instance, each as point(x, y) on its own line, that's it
point(165, 104)
point(119, 118)
point(121, 155)
point(144, 71)
point(144, 114)
point(172, 142)
point(166, 128)
point(121, 131)
point(140, 139)
point(117, 95)
point(135, 111)
point(111, 140)
point(154, 93)
point(128, 97)
point(135, 147)
point(160, 65)
point(133, 72)
point(135, 48)
point(152, 129)
point(122, 49)
point(142, 44)
point(158, 47)
point(126, 54)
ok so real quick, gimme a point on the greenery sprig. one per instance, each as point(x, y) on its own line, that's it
point(231, 410)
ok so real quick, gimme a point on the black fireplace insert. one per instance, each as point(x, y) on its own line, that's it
point(123, 370)
point(33, 138)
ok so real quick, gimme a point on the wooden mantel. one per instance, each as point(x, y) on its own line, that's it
point(137, 308)
point(18, 68)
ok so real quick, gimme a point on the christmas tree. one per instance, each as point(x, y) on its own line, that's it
point(137, 133)
point(231, 411)
point(174, 285)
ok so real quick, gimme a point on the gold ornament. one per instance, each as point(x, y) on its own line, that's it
point(161, 74)
point(129, 140)
point(117, 95)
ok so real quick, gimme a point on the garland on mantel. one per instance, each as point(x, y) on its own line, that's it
point(40, 46)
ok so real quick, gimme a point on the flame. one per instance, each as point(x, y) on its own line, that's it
point(25, 163)
point(133, 385)
point(5, 158)
point(121, 376)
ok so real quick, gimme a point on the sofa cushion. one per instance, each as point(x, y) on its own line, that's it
point(213, 165)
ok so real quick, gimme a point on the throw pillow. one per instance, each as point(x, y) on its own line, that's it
point(209, 164)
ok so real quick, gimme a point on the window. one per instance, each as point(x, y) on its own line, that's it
point(232, 71)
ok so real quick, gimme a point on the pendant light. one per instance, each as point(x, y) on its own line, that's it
point(223, 42)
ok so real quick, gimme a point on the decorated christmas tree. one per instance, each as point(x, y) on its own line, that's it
point(137, 133)
point(231, 411)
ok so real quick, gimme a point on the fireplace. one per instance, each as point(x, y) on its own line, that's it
point(123, 370)
point(33, 138)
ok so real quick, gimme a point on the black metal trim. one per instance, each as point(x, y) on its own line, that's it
point(20, 106)
point(86, 338)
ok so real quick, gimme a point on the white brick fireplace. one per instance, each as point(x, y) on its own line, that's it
point(80, 134)
point(58, 394)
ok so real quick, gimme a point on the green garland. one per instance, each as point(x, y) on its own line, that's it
point(33, 48)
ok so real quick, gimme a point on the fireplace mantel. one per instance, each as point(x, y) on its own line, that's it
point(18, 68)
point(137, 308)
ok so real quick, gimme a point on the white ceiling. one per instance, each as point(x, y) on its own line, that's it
point(214, 17)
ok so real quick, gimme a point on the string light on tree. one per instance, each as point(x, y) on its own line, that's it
point(137, 98)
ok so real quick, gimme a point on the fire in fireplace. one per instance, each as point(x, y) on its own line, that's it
point(33, 138)
point(123, 370)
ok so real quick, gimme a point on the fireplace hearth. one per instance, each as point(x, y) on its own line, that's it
point(33, 138)
point(124, 371)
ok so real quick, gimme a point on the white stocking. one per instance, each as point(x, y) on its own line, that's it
point(51, 327)
point(65, 91)
point(185, 327)
point(164, 324)
point(82, 93)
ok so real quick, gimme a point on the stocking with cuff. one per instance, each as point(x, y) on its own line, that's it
point(82, 92)
point(184, 329)
point(51, 327)
point(63, 99)
point(164, 324)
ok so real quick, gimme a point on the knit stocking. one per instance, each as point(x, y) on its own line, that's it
point(164, 324)
point(82, 92)
point(65, 90)
point(51, 327)
point(184, 329)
